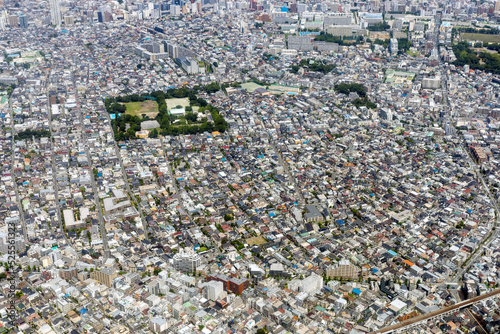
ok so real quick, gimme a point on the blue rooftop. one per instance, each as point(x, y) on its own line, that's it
point(373, 15)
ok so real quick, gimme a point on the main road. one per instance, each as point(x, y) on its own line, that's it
point(102, 228)
point(400, 327)
point(13, 176)
point(54, 173)
point(174, 181)
point(287, 170)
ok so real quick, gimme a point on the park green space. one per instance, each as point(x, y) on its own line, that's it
point(148, 107)
point(488, 38)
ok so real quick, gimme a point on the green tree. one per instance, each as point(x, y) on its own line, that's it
point(153, 133)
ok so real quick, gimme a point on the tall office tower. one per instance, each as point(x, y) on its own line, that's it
point(13, 21)
point(23, 21)
point(100, 17)
point(55, 13)
point(104, 14)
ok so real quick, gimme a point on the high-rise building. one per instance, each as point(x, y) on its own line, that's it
point(23, 21)
point(56, 255)
point(68, 273)
point(104, 14)
point(213, 289)
point(105, 276)
point(310, 285)
point(344, 269)
point(13, 21)
point(394, 45)
point(69, 20)
point(55, 13)
point(186, 260)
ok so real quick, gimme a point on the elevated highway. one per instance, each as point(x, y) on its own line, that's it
point(416, 321)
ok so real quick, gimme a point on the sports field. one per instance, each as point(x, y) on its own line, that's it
point(150, 108)
point(172, 103)
point(256, 241)
point(251, 86)
point(489, 38)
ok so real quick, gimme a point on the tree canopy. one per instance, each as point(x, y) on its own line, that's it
point(346, 88)
point(484, 61)
point(313, 65)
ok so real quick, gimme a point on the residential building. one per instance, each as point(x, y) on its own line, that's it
point(186, 260)
point(104, 276)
